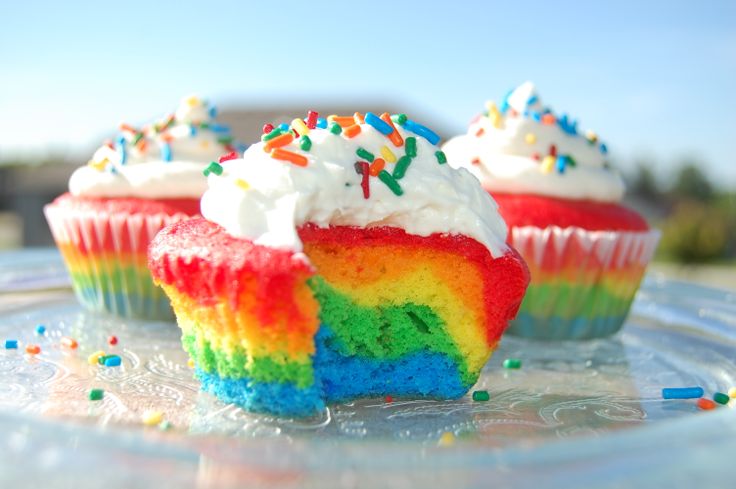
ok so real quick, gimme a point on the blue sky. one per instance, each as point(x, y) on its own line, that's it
point(656, 81)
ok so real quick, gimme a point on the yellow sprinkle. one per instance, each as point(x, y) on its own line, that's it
point(591, 136)
point(99, 165)
point(242, 183)
point(192, 101)
point(93, 358)
point(548, 164)
point(152, 418)
point(491, 107)
point(530, 138)
point(300, 126)
point(447, 439)
point(495, 118)
point(732, 392)
point(204, 144)
point(388, 155)
point(190, 363)
point(331, 117)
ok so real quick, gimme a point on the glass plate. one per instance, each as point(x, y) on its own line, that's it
point(576, 413)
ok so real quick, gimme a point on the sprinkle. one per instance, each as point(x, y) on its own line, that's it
point(213, 112)
point(192, 101)
point(312, 119)
point(447, 439)
point(400, 119)
point(242, 183)
point(230, 156)
point(276, 132)
point(99, 165)
point(40, 329)
point(535, 156)
point(377, 167)
point(411, 147)
point(359, 119)
point(362, 168)
point(480, 132)
point(322, 123)
point(282, 154)
point(190, 363)
point(344, 121)
point(682, 392)
point(389, 399)
point(335, 128)
point(732, 392)
point(120, 146)
point(388, 155)
point(603, 148)
point(514, 363)
point(33, 349)
point(441, 157)
point(591, 137)
point(394, 137)
point(305, 144)
point(548, 164)
point(213, 167)
point(112, 361)
point(11, 344)
point(94, 359)
point(142, 145)
point(561, 163)
point(481, 396)
point(128, 128)
point(166, 152)
point(721, 398)
point(278, 142)
point(351, 131)
point(101, 360)
point(152, 418)
point(530, 138)
point(423, 131)
point(390, 182)
point(112, 340)
point(139, 136)
point(69, 342)
point(164, 425)
point(96, 394)
point(284, 127)
point(267, 128)
point(475, 161)
point(225, 139)
point(299, 126)
point(706, 404)
point(378, 124)
point(552, 150)
point(548, 119)
point(401, 166)
point(365, 154)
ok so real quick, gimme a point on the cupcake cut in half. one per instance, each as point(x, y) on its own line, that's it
point(586, 252)
point(338, 259)
point(132, 187)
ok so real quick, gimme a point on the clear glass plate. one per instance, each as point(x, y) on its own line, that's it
point(576, 413)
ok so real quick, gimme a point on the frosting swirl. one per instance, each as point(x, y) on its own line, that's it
point(161, 160)
point(348, 171)
point(521, 146)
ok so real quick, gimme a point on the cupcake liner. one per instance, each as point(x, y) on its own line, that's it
point(582, 282)
point(106, 256)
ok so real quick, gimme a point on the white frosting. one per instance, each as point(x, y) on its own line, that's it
point(189, 141)
point(281, 195)
point(498, 150)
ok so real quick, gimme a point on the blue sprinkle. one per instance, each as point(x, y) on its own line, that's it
point(532, 100)
point(561, 163)
point(11, 344)
point(505, 102)
point(112, 361)
point(213, 112)
point(423, 131)
point(113, 170)
point(284, 127)
point(166, 152)
point(378, 124)
point(321, 122)
point(567, 125)
point(603, 148)
point(192, 130)
point(120, 146)
point(40, 329)
point(220, 128)
point(682, 392)
point(536, 116)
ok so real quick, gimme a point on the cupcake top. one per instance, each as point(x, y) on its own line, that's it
point(361, 170)
point(164, 159)
point(523, 147)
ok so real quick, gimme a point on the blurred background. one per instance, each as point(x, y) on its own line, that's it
point(656, 80)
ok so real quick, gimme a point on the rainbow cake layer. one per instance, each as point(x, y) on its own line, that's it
point(377, 311)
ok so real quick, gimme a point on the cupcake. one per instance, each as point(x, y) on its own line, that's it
point(340, 258)
point(561, 200)
point(131, 188)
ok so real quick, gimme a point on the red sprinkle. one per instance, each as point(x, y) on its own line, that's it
point(365, 181)
point(535, 156)
point(267, 128)
point(480, 132)
point(389, 399)
point(312, 119)
point(706, 404)
point(230, 156)
point(552, 150)
point(475, 161)
point(113, 340)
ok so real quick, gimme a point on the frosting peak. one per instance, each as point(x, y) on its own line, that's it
point(362, 170)
point(522, 146)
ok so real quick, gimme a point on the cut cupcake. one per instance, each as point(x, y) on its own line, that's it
point(561, 199)
point(131, 188)
point(340, 259)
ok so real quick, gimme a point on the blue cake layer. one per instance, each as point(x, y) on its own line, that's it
point(557, 328)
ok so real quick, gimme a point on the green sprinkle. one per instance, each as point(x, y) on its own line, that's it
point(164, 425)
point(305, 143)
point(225, 139)
point(276, 132)
point(411, 146)
point(399, 119)
point(401, 166)
point(96, 394)
point(481, 396)
point(335, 128)
point(441, 158)
point(365, 154)
point(137, 138)
point(512, 363)
point(214, 167)
point(204, 125)
point(571, 161)
point(101, 359)
point(721, 398)
point(386, 178)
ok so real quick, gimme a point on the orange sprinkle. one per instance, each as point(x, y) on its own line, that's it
point(706, 404)
point(512, 112)
point(480, 132)
point(376, 167)
point(128, 127)
point(167, 137)
point(359, 118)
point(278, 141)
point(394, 137)
point(548, 119)
point(475, 161)
point(33, 349)
point(282, 154)
point(141, 145)
point(343, 121)
point(69, 342)
point(351, 131)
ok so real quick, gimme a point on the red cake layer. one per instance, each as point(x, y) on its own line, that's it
point(129, 205)
point(542, 211)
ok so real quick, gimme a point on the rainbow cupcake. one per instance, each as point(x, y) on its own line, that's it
point(339, 259)
point(134, 186)
point(561, 199)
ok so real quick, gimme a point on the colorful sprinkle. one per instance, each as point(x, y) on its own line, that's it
point(166, 152)
point(344, 121)
point(390, 182)
point(389, 399)
point(422, 131)
point(300, 126)
point(359, 118)
point(230, 156)
point(706, 404)
point(480, 132)
point(278, 141)
point(40, 329)
point(441, 157)
point(33, 349)
point(363, 169)
point(603, 148)
point(732, 392)
point(377, 123)
point(11, 344)
point(322, 123)
point(387, 154)
point(284, 155)
point(401, 166)
point(312, 119)
point(352, 131)
point(399, 119)
point(377, 167)
point(481, 396)
point(96, 394)
point(411, 147)
point(213, 167)
point(120, 147)
point(446, 440)
point(276, 132)
point(365, 154)
point(69, 342)
point(112, 340)
point(242, 183)
point(548, 119)
point(267, 128)
point(94, 359)
point(152, 418)
point(284, 127)
point(305, 144)
point(394, 137)
point(513, 363)
point(548, 164)
point(335, 128)
point(721, 398)
point(682, 392)
point(530, 138)
point(112, 361)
